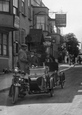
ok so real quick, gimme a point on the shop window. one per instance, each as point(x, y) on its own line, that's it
point(3, 44)
point(15, 7)
point(4, 5)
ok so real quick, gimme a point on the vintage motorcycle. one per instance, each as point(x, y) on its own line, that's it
point(39, 81)
point(59, 79)
point(19, 85)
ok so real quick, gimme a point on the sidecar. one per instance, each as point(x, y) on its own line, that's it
point(40, 81)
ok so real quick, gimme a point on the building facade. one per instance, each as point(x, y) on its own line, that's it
point(17, 19)
point(13, 29)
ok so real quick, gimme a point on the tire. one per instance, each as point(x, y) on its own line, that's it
point(62, 84)
point(52, 89)
point(62, 80)
point(15, 91)
point(51, 92)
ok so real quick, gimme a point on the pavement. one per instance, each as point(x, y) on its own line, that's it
point(6, 79)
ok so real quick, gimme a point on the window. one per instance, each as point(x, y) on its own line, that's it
point(15, 7)
point(40, 23)
point(28, 2)
point(29, 10)
point(23, 6)
point(4, 5)
point(3, 44)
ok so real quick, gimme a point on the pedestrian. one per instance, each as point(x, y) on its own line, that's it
point(48, 58)
point(22, 59)
point(34, 59)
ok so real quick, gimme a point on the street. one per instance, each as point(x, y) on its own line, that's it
point(67, 101)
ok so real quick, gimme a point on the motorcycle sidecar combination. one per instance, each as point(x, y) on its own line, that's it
point(39, 81)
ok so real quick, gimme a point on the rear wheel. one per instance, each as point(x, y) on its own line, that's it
point(15, 91)
point(62, 80)
point(52, 92)
point(62, 84)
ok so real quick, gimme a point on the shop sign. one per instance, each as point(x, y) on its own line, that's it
point(60, 20)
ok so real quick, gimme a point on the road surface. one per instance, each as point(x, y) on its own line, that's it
point(67, 101)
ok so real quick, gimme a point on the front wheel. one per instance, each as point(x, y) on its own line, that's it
point(15, 91)
point(52, 87)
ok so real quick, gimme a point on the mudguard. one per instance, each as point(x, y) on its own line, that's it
point(51, 82)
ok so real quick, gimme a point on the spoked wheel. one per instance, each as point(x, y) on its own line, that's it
point(52, 92)
point(51, 87)
point(62, 80)
point(62, 84)
point(15, 91)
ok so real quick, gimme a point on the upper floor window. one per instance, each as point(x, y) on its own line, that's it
point(23, 6)
point(28, 2)
point(4, 5)
point(40, 22)
point(15, 7)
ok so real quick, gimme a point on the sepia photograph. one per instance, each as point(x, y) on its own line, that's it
point(40, 57)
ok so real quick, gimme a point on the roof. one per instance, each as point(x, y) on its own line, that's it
point(36, 35)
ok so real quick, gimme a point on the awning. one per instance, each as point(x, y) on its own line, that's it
point(7, 29)
point(35, 35)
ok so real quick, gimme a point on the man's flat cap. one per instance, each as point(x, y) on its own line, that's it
point(24, 45)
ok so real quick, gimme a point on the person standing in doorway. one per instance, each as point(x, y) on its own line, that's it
point(22, 58)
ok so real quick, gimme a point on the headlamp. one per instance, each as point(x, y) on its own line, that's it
point(16, 69)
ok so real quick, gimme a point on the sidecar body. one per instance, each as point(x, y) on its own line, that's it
point(39, 80)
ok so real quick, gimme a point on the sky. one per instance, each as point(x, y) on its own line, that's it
point(73, 10)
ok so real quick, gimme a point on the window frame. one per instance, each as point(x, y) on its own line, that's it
point(23, 7)
point(40, 23)
point(16, 7)
point(8, 1)
point(2, 45)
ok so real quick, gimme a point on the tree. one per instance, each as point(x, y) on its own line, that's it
point(72, 44)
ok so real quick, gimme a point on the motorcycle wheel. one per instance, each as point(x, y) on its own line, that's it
point(52, 88)
point(15, 91)
point(62, 84)
point(52, 92)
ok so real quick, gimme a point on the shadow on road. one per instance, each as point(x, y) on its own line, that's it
point(72, 88)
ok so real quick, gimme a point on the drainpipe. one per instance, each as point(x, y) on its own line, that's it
point(12, 51)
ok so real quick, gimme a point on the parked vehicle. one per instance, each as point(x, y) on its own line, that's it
point(19, 85)
point(40, 80)
point(59, 76)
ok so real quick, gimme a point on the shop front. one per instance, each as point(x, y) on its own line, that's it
point(7, 26)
